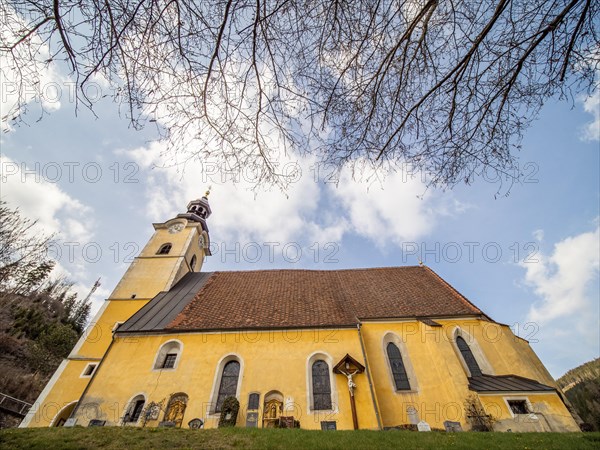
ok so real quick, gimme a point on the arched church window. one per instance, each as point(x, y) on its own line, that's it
point(136, 406)
point(193, 263)
point(168, 355)
point(321, 385)
point(176, 409)
point(468, 357)
point(164, 249)
point(397, 367)
point(229, 381)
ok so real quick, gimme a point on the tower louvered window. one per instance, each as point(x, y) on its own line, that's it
point(164, 249)
point(397, 367)
point(467, 355)
point(321, 386)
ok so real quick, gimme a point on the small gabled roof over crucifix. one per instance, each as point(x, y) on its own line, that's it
point(347, 364)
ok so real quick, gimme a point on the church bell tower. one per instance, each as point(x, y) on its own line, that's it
point(177, 247)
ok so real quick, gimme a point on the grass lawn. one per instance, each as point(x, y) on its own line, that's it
point(164, 438)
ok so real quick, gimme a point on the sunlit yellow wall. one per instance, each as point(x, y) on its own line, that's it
point(147, 275)
point(272, 360)
point(438, 371)
point(549, 413)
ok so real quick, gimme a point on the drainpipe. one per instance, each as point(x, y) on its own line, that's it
point(368, 371)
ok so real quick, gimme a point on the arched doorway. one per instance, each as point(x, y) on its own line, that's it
point(273, 407)
point(62, 416)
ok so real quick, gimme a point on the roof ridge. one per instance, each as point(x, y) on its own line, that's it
point(315, 270)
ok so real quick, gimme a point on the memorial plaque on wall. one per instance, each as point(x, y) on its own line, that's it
point(70, 422)
point(251, 419)
point(328, 425)
point(452, 427)
point(286, 421)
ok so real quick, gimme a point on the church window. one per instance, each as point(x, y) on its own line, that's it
point(468, 356)
point(229, 381)
point(518, 406)
point(164, 249)
point(253, 400)
point(89, 370)
point(168, 355)
point(136, 406)
point(321, 385)
point(169, 361)
point(193, 263)
point(397, 367)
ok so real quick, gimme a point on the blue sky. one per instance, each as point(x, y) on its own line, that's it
point(528, 256)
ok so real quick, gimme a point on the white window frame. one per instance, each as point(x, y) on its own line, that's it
point(130, 405)
point(482, 361)
point(165, 348)
point(312, 358)
point(212, 405)
point(519, 398)
point(85, 369)
point(391, 336)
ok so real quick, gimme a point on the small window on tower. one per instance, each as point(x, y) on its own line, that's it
point(89, 370)
point(193, 263)
point(518, 406)
point(164, 249)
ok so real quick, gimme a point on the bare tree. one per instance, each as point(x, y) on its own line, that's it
point(445, 86)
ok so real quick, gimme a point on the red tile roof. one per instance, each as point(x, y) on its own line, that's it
point(318, 298)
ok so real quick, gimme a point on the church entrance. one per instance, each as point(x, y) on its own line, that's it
point(63, 415)
point(273, 407)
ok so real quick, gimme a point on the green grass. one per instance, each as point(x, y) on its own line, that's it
point(240, 438)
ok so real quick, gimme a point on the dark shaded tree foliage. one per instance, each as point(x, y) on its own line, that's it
point(447, 87)
point(40, 317)
point(581, 386)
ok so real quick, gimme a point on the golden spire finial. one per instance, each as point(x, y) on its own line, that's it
point(207, 193)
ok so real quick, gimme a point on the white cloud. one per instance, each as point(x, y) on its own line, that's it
point(38, 199)
point(591, 105)
point(562, 280)
point(538, 235)
point(391, 210)
point(395, 209)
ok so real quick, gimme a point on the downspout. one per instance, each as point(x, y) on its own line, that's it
point(92, 378)
point(368, 371)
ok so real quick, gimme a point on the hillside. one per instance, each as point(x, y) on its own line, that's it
point(581, 386)
point(41, 317)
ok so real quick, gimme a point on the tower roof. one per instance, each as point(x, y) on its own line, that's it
point(266, 299)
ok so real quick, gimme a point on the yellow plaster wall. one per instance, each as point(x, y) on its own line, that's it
point(272, 360)
point(549, 413)
point(98, 335)
point(67, 390)
point(148, 275)
point(441, 378)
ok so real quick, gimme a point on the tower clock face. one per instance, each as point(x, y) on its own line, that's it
point(176, 228)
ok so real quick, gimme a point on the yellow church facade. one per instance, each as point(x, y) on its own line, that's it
point(340, 349)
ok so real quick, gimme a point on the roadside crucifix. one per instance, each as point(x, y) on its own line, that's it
point(349, 367)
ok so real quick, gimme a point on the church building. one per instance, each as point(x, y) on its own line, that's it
point(371, 348)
